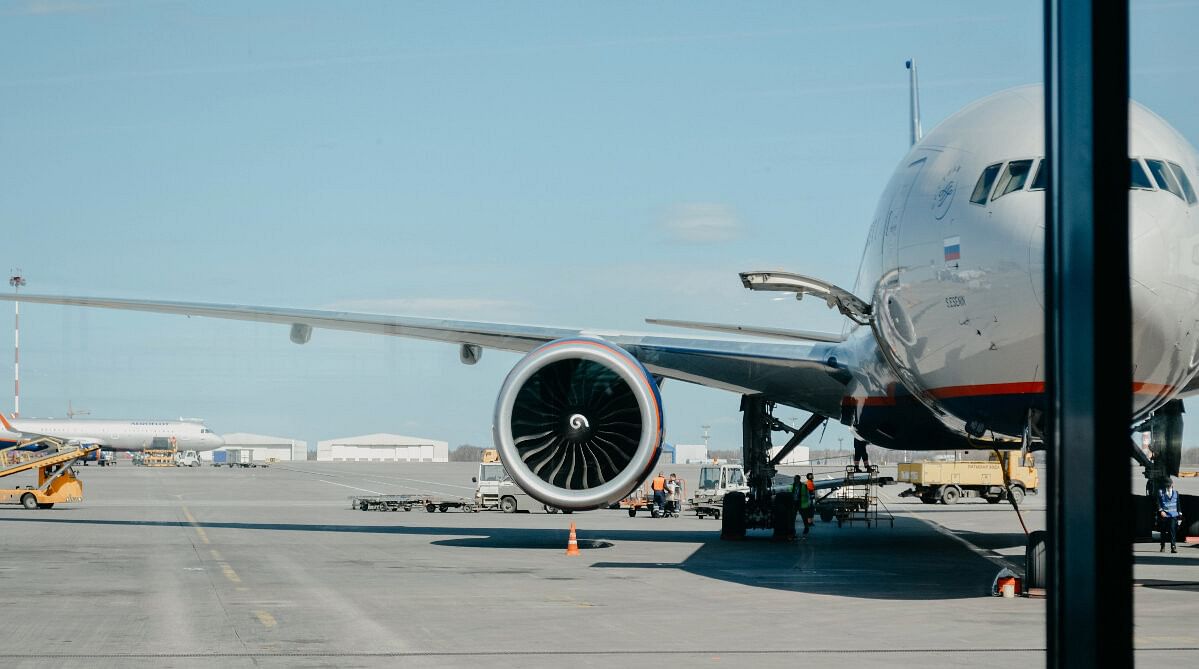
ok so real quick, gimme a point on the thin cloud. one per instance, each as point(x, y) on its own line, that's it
point(701, 223)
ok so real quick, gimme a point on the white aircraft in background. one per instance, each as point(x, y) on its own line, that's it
point(942, 348)
point(114, 435)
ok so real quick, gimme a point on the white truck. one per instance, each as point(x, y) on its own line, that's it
point(716, 481)
point(494, 489)
point(187, 459)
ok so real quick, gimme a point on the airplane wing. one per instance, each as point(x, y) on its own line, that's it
point(795, 374)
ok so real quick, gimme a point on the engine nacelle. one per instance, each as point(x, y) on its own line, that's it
point(578, 423)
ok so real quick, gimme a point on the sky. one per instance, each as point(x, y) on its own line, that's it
point(572, 164)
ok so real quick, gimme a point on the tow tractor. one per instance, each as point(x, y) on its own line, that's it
point(54, 460)
point(716, 481)
point(494, 489)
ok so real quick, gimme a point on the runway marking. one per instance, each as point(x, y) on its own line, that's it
point(195, 525)
point(991, 556)
point(373, 492)
point(268, 621)
point(215, 555)
point(229, 573)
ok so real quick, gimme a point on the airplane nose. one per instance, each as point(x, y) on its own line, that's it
point(1165, 304)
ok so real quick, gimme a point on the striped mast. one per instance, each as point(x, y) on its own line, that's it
point(16, 281)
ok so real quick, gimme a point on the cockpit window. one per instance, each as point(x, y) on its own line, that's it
point(1039, 181)
point(983, 188)
point(1139, 177)
point(1164, 177)
point(1187, 189)
point(1013, 178)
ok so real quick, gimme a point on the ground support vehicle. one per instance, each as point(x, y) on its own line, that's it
point(716, 481)
point(854, 499)
point(494, 490)
point(157, 457)
point(643, 499)
point(53, 459)
point(410, 502)
point(948, 482)
point(187, 459)
point(235, 457)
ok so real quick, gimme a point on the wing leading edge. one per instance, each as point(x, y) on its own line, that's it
point(790, 373)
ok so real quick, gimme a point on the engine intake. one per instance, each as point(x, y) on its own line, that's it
point(578, 423)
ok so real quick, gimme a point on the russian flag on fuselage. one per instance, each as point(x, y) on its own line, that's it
point(953, 248)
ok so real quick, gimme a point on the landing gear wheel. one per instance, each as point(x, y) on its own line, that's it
point(508, 505)
point(950, 494)
point(783, 517)
point(732, 521)
point(1036, 560)
point(632, 512)
point(1017, 494)
point(29, 501)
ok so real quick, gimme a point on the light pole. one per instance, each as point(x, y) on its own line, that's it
point(16, 281)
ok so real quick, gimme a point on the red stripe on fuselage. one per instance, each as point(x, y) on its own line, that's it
point(989, 389)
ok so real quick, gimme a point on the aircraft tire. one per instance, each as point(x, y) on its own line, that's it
point(1036, 560)
point(732, 521)
point(783, 508)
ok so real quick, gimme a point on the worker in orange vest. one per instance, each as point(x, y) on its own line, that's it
point(658, 485)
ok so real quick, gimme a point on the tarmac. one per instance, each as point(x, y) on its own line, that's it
point(272, 567)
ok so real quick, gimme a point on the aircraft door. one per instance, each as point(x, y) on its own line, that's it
point(899, 202)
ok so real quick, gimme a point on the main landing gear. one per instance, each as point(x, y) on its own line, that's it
point(760, 508)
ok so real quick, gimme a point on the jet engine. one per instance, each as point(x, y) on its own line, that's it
point(578, 423)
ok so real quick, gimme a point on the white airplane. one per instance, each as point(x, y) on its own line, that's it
point(114, 435)
point(942, 346)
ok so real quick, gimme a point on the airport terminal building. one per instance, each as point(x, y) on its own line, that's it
point(383, 447)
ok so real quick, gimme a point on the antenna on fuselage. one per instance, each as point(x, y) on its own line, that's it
point(914, 100)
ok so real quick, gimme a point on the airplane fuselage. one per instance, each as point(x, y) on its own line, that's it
point(124, 435)
point(954, 268)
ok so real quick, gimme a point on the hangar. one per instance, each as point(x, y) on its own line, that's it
point(265, 447)
point(383, 447)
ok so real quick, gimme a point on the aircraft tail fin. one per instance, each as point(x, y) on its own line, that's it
point(914, 101)
point(8, 426)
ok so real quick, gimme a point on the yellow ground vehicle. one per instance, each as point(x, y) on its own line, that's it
point(56, 482)
point(947, 482)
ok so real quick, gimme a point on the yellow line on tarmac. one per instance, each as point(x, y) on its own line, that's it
point(229, 573)
point(267, 620)
point(199, 530)
point(215, 555)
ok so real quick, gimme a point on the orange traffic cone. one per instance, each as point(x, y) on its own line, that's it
point(572, 546)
